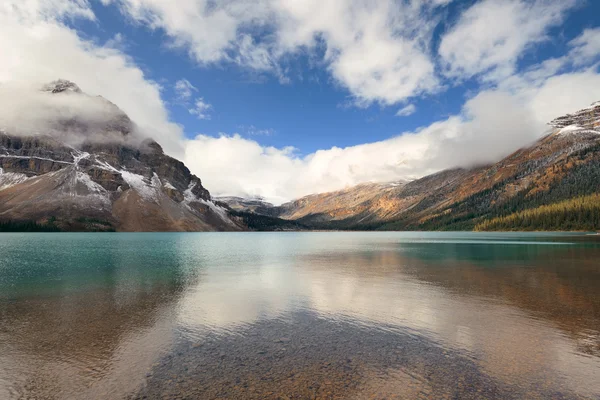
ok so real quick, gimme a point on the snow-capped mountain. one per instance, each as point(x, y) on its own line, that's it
point(93, 172)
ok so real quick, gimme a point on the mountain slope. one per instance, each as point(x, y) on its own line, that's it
point(561, 166)
point(360, 203)
point(84, 173)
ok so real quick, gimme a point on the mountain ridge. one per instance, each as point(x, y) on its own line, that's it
point(566, 160)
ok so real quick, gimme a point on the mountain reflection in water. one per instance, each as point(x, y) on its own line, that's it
point(326, 315)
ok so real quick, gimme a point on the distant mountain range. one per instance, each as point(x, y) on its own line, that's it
point(551, 185)
point(98, 174)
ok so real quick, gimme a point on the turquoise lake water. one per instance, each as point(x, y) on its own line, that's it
point(302, 315)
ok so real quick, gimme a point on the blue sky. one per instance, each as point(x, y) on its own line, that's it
point(324, 78)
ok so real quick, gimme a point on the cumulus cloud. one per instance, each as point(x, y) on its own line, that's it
point(37, 47)
point(583, 54)
point(586, 47)
point(201, 109)
point(184, 90)
point(406, 111)
point(490, 36)
point(379, 51)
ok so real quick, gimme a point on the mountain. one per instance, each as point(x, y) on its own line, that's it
point(360, 204)
point(91, 170)
point(254, 205)
point(550, 185)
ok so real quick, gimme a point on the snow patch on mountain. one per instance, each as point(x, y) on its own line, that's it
point(576, 129)
point(147, 190)
point(220, 211)
point(8, 179)
point(570, 128)
point(169, 186)
point(78, 156)
point(106, 166)
point(91, 186)
point(84, 186)
point(190, 197)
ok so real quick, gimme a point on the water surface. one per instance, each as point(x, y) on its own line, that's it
point(299, 315)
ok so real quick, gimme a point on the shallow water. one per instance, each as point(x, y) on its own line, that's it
point(299, 315)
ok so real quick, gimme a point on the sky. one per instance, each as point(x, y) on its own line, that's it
point(284, 98)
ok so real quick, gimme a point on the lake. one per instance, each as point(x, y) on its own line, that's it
point(299, 315)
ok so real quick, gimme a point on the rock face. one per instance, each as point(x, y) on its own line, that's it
point(586, 119)
point(560, 166)
point(61, 85)
point(109, 180)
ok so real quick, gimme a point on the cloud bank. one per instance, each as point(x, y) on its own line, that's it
point(37, 47)
point(69, 116)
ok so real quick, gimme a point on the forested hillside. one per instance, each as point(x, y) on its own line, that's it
point(574, 177)
point(581, 213)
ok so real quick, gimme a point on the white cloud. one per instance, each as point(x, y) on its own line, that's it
point(585, 47)
point(201, 109)
point(29, 11)
point(377, 50)
point(491, 35)
point(406, 111)
point(583, 54)
point(184, 90)
point(37, 48)
point(565, 93)
point(254, 131)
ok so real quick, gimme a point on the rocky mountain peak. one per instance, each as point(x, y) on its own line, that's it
point(587, 119)
point(60, 86)
point(89, 116)
point(150, 146)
